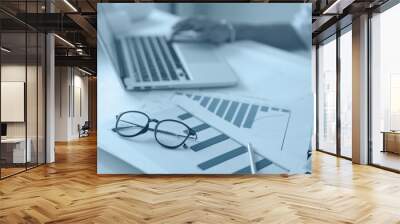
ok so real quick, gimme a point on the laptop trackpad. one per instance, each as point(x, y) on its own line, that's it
point(197, 52)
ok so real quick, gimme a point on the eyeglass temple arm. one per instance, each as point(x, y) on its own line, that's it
point(152, 129)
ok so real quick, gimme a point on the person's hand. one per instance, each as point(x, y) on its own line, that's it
point(216, 32)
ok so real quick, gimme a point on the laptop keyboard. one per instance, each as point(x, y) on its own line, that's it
point(150, 59)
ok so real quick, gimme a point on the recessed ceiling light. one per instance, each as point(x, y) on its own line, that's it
point(337, 7)
point(64, 40)
point(70, 5)
point(84, 71)
point(5, 50)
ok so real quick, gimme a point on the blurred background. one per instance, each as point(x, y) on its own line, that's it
point(274, 13)
point(288, 24)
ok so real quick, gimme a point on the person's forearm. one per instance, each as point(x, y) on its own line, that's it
point(281, 36)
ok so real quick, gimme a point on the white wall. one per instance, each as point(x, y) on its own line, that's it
point(71, 102)
point(61, 103)
point(80, 103)
point(34, 126)
point(16, 72)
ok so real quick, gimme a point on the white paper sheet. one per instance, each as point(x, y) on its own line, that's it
point(270, 128)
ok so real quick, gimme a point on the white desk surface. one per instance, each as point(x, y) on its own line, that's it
point(13, 140)
point(263, 71)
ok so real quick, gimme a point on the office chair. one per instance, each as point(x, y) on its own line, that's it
point(84, 130)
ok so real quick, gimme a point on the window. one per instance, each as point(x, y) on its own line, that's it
point(346, 92)
point(327, 96)
point(334, 138)
point(385, 89)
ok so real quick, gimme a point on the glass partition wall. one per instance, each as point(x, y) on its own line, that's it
point(334, 94)
point(13, 89)
point(22, 77)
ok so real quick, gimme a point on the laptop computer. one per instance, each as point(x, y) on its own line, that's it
point(146, 62)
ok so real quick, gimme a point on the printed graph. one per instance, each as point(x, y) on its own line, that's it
point(227, 155)
point(244, 119)
point(241, 114)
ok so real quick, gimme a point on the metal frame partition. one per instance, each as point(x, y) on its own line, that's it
point(35, 63)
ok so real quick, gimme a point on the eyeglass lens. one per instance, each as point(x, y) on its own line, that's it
point(131, 123)
point(178, 133)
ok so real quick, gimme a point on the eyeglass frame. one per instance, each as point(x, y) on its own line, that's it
point(146, 128)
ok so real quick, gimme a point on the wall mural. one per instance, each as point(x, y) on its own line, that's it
point(212, 88)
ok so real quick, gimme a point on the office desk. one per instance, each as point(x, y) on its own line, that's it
point(263, 71)
point(391, 141)
point(16, 153)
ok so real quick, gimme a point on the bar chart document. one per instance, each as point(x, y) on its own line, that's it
point(247, 120)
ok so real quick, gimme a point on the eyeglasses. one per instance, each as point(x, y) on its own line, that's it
point(169, 133)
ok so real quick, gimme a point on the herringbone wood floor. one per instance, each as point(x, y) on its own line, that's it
point(69, 191)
